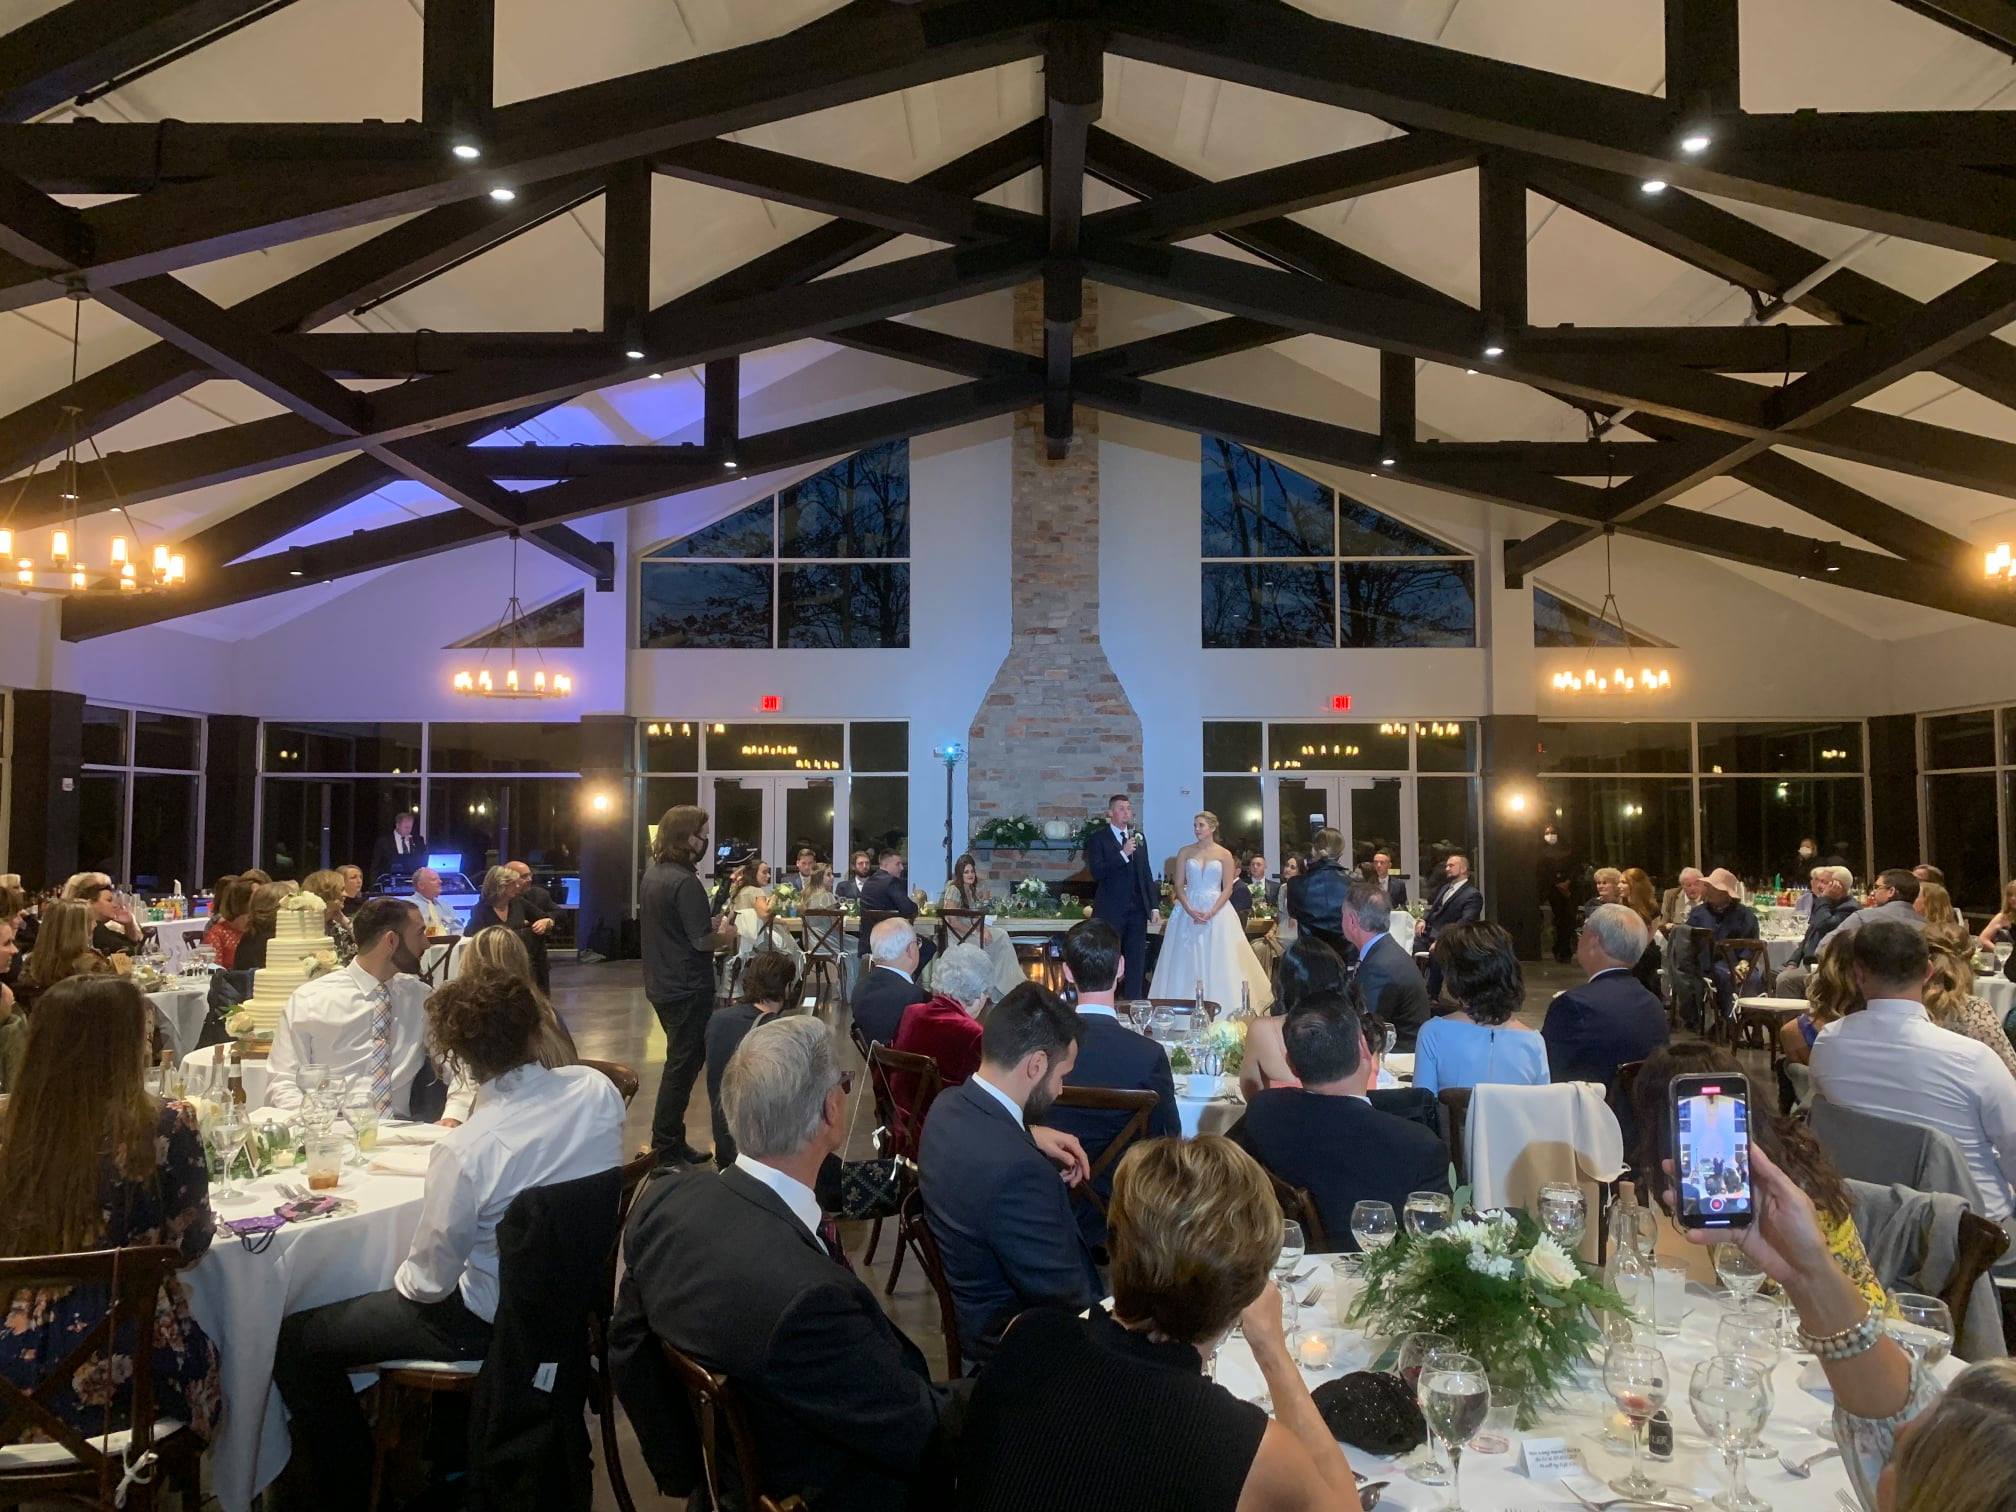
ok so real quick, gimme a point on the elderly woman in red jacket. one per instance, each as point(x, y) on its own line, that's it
point(946, 1027)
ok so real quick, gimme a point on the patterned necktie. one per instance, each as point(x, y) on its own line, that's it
point(829, 1235)
point(381, 1048)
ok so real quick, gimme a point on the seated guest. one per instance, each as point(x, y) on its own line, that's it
point(436, 917)
point(1326, 1137)
point(890, 984)
point(1950, 1000)
point(1389, 983)
point(1997, 929)
point(502, 902)
point(767, 983)
point(499, 950)
point(1925, 872)
point(1455, 901)
point(1242, 897)
point(988, 1175)
point(1194, 1226)
point(1724, 914)
point(1382, 872)
point(804, 860)
point(840, 1403)
point(531, 1127)
point(1891, 1060)
point(1308, 969)
point(89, 1161)
point(328, 886)
point(1893, 898)
point(1831, 994)
point(965, 890)
point(230, 917)
point(365, 1022)
point(1611, 1019)
point(1832, 904)
point(538, 901)
point(1110, 1054)
point(62, 949)
point(882, 892)
point(1943, 924)
point(819, 891)
point(859, 865)
point(946, 1025)
point(353, 889)
point(1480, 1041)
point(13, 1023)
point(752, 884)
point(113, 931)
point(77, 887)
point(263, 918)
point(14, 911)
point(1258, 886)
point(1314, 897)
point(1639, 898)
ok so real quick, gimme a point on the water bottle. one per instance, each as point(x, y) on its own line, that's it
point(1245, 1000)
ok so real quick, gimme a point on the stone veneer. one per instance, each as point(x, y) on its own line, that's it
point(1056, 734)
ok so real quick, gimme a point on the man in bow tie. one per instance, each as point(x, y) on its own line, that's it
point(1126, 894)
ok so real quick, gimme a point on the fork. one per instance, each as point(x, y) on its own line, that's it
point(1803, 1468)
point(1628, 1501)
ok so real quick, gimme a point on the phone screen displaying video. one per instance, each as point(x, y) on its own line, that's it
point(1711, 1124)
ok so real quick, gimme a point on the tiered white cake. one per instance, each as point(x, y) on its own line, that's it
point(298, 937)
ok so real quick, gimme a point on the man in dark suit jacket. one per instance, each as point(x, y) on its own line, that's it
point(398, 854)
point(987, 1170)
point(1124, 892)
point(883, 892)
point(1611, 1019)
point(1316, 898)
point(839, 1401)
point(1109, 1055)
point(1324, 1137)
point(1264, 889)
point(1396, 888)
point(1389, 983)
point(1455, 901)
point(890, 983)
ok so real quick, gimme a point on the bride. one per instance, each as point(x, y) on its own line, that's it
point(1204, 940)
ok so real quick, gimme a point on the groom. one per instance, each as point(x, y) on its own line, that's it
point(1126, 894)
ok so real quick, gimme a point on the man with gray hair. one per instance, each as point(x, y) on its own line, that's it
point(838, 1400)
point(1389, 983)
point(890, 984)
point(1613, 1018)
point(1831, 888)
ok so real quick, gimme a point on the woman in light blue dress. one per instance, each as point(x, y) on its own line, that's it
point(1481, 1042)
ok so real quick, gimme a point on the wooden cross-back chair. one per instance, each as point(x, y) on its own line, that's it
point(1980, 1245)
point(958, 925)
point(917, 1231)
point(1456, 1101)
point(717, 1411)
point(902, 1123)
point(1297, 1204)
point(825, 942)
point(1136, 1103)
point(88, 1465)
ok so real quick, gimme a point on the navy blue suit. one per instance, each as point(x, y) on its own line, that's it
point(1462, 905)
point(886, 894)
point(1112, 1055)
point(1390, 985)
point(1593, 1029)
point(879, 1000)
point(1341, 1151)
point(1124, 895)
point(1001, 1216)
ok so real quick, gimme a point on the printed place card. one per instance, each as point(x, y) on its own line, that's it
point(1547, 1459)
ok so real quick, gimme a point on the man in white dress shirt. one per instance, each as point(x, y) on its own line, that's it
point(1894, 1062)
point(364, 1023)
point(436, 917)
point(531, 1127)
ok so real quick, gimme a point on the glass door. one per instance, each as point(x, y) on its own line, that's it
point(1367, 811)
point(773, 816)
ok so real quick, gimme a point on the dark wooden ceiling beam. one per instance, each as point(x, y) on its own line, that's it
point(1781, 348)
point(84, 155)
point(938, 350)
point(721, 422)
point(1992, 23)
point(458, 62)
point(1175, 349)
point(1501, 249)
point(1074, 83)
point(544, 463)
point(626, 254)
point(65, 51)
point(1209, 208)
point(1704, 76)
point(417, 354)
point(1396, 407)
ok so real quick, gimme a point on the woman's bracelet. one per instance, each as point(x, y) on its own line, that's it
point(1849, 1342)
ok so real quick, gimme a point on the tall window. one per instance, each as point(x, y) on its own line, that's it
point(1560, 621)
point(1969, 762)
point(558, 622)
point(1290, 562)
point(140, 797)
point(824, 564)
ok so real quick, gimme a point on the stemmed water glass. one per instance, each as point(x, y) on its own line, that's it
point(1751, 1333)
point(360, 1111)
point(225, 1134)
point(1455, 1398)
point(1742, 1275)
point(1635, 1376)
point(1922, 1326)
point(1415, 1351)
point(1564, 1213)
point(1731, 1396)
point(1373, 1225)
point(1293, 1247)
point(1428, 1213)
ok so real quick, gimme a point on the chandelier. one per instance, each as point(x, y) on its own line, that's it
point(2001, 565)
point(1644, 678)
point(66, 571)
point(509, 634)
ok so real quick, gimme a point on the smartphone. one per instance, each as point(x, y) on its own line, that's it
point(810, 1003)
point(1711, 1150)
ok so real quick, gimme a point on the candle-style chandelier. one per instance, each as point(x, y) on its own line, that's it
point(2001, 565)
point(66, 572)
point(1623, 678)
point(509, 635)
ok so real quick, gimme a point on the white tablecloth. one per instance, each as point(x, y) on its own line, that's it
point(1782, 949)
point(1999, 991)
point(1208, 1105)
point(181, 1011)
point(1494, 1483)
point(239, 1298)
point(176, 936)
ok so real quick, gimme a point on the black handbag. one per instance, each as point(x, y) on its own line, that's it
point(871, 1188)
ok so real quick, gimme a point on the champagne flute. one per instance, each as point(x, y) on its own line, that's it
point(1635, 1377)
point(1922, 1326)
point(1731, 1397)
point(1293, 1247)
point(1415, 1351)
point(1373, 1225)
point(1743, 1276)
point(1455, 1398)
point(1564, 1213)
point(1428, 1213)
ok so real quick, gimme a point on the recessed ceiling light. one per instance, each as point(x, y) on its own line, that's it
point(1833, 567)
point(1469, 372)
point(503, 194)
point(731, 465)
point(1653, 186)
point(467, 151)
point(633, 354)
point(657, 375)
point(294, 572)
point(1388, 461)
point(1494, 350)
point(1695, 141)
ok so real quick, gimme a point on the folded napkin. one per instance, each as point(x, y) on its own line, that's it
point(408, 1160)
point(410, 1133)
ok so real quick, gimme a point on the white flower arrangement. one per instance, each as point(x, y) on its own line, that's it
point(240, 1024)
point(303, 903)
point(317, 964)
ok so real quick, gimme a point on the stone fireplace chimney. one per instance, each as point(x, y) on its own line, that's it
point(1056, 733)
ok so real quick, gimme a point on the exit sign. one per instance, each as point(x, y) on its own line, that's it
point(1340, 703)
point(771, 704)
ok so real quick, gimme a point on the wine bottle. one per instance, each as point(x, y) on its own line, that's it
point(235, 1078)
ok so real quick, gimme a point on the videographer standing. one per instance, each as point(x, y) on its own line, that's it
point(680, 934)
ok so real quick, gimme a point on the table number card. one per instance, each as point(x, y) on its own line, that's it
point(1547, 1459)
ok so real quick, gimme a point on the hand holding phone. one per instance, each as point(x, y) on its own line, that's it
point(1711, 1151)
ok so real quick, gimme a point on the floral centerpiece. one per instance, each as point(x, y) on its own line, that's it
point(1509, 1295)
point(784, 898)
point(1016, 833)
point(1030, 897)
point(1228, 1039)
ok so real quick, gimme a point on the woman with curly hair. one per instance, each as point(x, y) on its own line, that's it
point(1831, 993)
point(1950, 1000)
point(497, 949)
point(328, 886)
point(532, 1126)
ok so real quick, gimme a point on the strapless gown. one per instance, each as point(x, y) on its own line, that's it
point(1217, 954)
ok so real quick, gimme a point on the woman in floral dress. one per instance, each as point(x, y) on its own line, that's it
point(88, 1160)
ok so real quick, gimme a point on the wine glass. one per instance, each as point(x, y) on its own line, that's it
point(1635, 1377)
point(1742, 1275)
point(360, 1111)
point(1415, 1350)
point(1428, 1213)
point(1293, 1247)
point(1373, 1225)
point(1455, 1398)
point(1923, 1326)
point(1731, 1396)
point(225, 1135)
point(1751, 1333)
point(1564, 1213)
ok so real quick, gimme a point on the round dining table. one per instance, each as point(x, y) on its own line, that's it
point(1800, 1424)
point(241, 1290)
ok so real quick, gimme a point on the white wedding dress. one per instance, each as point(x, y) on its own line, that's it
point(1216, 953)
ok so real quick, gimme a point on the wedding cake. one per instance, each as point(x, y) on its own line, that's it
point(291, 959)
